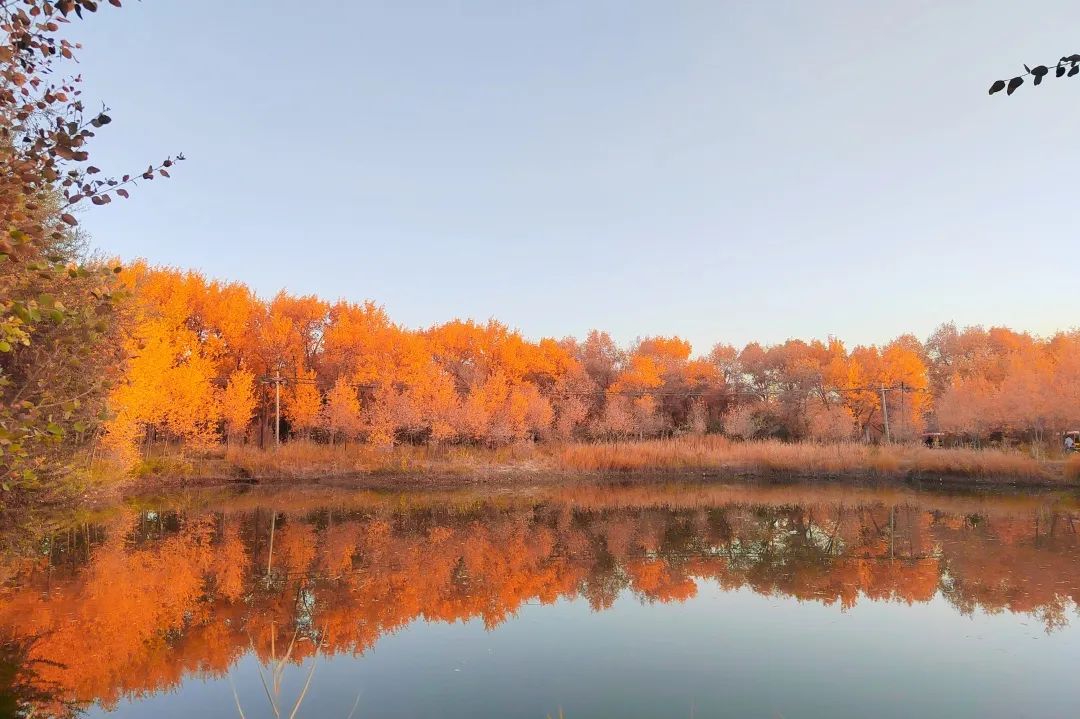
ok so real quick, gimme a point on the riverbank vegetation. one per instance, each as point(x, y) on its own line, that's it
point(211, 362)
point(147, 371)
point(61, 312)
point(772, 456)
point(711, 455)
point(345, 390)
point(210, 374)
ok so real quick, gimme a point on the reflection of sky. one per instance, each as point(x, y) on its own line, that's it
point(724, 171)
point(736, 654)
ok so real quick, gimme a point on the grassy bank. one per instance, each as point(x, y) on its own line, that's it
point(710, 455)
point(769, 456)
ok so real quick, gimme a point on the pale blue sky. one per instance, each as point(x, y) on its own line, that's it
point(724, 171)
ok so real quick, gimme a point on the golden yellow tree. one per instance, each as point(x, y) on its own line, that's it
point(341, 415)
point(303, 403)
point(168, 391)
point(238, 403)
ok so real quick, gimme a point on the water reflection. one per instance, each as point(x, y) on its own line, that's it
point(146, 597)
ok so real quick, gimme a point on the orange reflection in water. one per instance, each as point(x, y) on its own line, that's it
point(146, 598)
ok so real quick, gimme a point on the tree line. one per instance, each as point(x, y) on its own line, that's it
point(95, 355)
point(209, 362)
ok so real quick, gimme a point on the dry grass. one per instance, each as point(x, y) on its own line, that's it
point(719, 453)
point(303, 460)
point(977, 463)
point(1072, 468)
point(770, 456)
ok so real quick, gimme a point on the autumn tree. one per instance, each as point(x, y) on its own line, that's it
point(743, 421)
point(307, 319)
point(1003, 382)
point(391, 410)
point(439, 406)
point(617, 420)
point(698, 420)
point(57, 310)
point(169, 389)
point(601, 358)
point(904, 368)
point(830, 423)
point(238, 403)
point(573, 399)
point(303, 403)
point(341, 414)
point(967, 406)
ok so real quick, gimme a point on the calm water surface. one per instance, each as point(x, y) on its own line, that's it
point(666, 600)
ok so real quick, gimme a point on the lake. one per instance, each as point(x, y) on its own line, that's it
point(665, 599)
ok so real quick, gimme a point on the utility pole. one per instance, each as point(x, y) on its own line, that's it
point(885, 414)
point(903, 396)
point(277, 379)
point(277, 406)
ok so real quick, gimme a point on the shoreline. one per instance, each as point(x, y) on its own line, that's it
point(515, 482)
point(708, 459)
point(502, 477)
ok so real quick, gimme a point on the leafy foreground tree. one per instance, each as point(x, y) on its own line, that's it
point(58, 311)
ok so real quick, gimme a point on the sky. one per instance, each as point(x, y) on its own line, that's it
point(723, 171)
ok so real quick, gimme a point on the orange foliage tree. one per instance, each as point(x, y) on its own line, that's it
point(238, 403)
point(341, 414)
point(303, 403)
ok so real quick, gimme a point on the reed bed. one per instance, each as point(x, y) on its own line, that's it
point(772, 456)
point(306, 460)
point(1072, 468)
point(977, 463)
point(719, 453)
point(709, 454)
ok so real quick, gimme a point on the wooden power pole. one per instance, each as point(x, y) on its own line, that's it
point(277, 379)
point(277, 406)
point(885, 414)
point(903, 397)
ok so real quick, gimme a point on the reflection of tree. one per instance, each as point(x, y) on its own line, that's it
point(23, 691)
point(138, 603)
